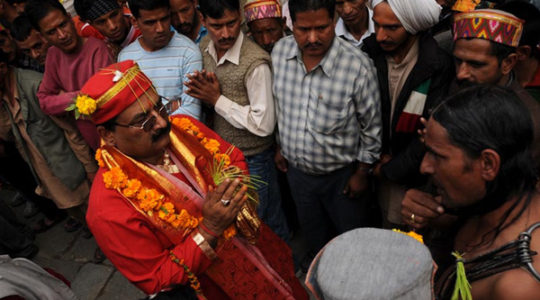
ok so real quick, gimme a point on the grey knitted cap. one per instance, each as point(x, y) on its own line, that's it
point(370, 263)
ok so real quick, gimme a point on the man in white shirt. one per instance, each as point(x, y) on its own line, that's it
point(354, 23)
point(237, 83)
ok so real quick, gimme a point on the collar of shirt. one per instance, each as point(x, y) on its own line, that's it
point(232, 55)
point(202, 33)
point(342, 31)
point(131, 36)
point(327, 63)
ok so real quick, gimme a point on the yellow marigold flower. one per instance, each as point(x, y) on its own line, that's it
point(133, 186)
point(114, 178)
point(85, 105)
point(412, 234)
point(99, 158)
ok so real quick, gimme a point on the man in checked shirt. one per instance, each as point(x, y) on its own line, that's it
point(329, 121)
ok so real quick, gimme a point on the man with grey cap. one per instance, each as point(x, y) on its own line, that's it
point(413, 74)
point(385, 265)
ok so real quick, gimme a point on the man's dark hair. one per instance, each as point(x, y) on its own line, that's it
point(501, 51)
point(136, 5)
point(296, 6)
point(15, 1)
point(492, 117)
point(215, 9)
point(4, 58)
point(39, 9)
point(531, 15)
point(21, 28)
point(89, 10)
point(109, 125)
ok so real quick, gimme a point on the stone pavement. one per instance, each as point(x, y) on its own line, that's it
point(71, 255)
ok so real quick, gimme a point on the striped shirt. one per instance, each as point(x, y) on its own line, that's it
point(330, 116)
point(168, 68)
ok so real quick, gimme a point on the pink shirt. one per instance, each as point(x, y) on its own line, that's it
point(67, 73)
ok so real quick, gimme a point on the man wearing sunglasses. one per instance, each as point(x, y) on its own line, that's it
point(156, 209)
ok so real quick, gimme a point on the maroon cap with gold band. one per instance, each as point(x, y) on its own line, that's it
point(489, 24)
point(110, 91)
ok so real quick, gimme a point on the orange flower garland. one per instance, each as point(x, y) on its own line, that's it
point(212, 145)
point(193, 280)
point(149, 200)
point(412, 234)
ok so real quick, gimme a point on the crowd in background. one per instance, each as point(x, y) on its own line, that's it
point(325, 99)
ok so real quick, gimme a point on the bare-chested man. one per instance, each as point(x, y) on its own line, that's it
point(478, 156)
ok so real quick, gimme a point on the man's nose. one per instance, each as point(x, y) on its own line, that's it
point(462, 71)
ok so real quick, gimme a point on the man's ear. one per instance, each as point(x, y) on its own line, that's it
point(107, 136)
point(490, 162)
point(508, 63)
point(523, 52)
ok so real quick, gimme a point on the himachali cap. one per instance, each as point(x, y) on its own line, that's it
point(489, 24)
point(114, 88)
point(372, 264)
point(262, 9)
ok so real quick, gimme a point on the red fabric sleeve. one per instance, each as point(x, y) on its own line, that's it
point(139, 251)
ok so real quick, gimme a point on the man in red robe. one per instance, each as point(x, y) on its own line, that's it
point(169, 206)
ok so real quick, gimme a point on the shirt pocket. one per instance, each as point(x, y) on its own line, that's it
point(329, 115)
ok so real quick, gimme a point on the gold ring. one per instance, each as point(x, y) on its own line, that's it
point(412, 218)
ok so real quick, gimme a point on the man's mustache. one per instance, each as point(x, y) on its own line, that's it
point(312, 45)
point(225, 40)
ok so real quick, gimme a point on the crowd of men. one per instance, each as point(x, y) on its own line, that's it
point(409, 114)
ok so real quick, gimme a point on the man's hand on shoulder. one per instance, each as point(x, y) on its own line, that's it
point(203, 86)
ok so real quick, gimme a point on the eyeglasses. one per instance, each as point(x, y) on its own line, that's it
point(149, 122)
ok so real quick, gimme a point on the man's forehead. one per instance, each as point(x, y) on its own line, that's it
point(153, 14)
point(228, 16)
point(473, 46)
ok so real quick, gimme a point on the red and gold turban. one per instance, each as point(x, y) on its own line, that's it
point(110, 91)
point(262, 9)
point(489, 24)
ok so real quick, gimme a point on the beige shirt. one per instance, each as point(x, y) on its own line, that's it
point(259, 116)
point(398, 74)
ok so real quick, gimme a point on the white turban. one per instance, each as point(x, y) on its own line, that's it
point(414, 15)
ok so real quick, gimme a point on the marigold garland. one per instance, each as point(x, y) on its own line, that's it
point(193, 280)
point(212, 145)
point(149, 200)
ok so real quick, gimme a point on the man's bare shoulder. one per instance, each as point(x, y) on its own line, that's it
point(516, 284)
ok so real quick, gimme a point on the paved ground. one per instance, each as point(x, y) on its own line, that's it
point(72, 255)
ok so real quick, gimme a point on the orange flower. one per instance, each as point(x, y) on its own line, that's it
point(114, 178)
point(133, 186)
point(222, 157)
point(183, 123)
point(211, 145)
point(229, 232)
point(99, 159)
point(149, 199)
point(166, 211)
